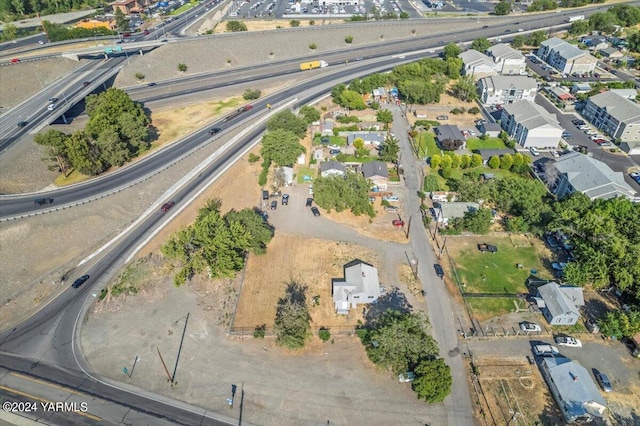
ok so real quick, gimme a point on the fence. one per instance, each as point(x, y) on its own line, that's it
point(269, 331)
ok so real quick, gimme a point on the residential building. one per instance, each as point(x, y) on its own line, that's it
point(449, 131)
point(560, 305)
point(577, 172)
point(490, 129)
point(380, 94)
point(477, 64)
point(360, 285)
point(326, 127)
point(451, 210)
point(531, 125)
point(560, 94)
point(507, 89)
point(369, 138)
point(287, 175)
point(130, 6)
point(611, 53)
point(580, 88)
point(508, 60)
point(332, 168)
point(565, 57)
point(614, 115)
point(595, 43)
point(377, 172)
point(573, 389)
point(629, 94)
point(443, 196)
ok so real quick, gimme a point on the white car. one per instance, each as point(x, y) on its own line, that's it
point(520, 30)
point(545, 350)
point(529, 326)
point(407, 377)
point(570, 342)
point(534, 151)
point(432, 50)
point(555, 154)
point(51, 107)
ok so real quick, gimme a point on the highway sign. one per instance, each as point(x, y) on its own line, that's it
point(108, 50)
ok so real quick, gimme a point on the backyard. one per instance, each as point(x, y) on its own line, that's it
point(489, 143)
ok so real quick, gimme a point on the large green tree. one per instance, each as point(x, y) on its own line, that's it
point(56, 152)
point(309, 114)
point(342, 193)
point(465, 89)
point(287, 120)
point(502, 8)
point(292, 324)
point(281, 147)
point(122, 24)
point(451, 50)
point(433, 380)
point(481, 44)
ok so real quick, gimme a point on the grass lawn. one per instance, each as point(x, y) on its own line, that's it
point(487, 307)
point(495, 273)
point(334, 140)
point(489, 143)
point(183, 8)
point(427, 145)
point(305, 171)
point(348, 158)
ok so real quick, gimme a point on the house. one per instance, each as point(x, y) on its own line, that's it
point(507, 89)
point(332, 168)
point(360, 285)
point(565, 57)
point(627, 61)
point(326, 127)
point(558, 306)
point(614, 115)
point(560, 94)
point(130, 6)
point(629, 94)
point(369, 138)
point(573, 389)
point(443, 196)
point(595, 43)
point(577, 172)
point(580, 88)
point(611, 53)
point(449, 132)
point(477, 64)
point(531, 125)
point(618, 42)
point(507, 60)
point(318, 155)
point(379, 94)
point(490, 129)
point(486, 154)
point(451, 210)
point(420, 113)
point(377, 172)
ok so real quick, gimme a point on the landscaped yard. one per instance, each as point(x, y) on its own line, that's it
point(489, 143)
point(427, 145)
point(305, 171)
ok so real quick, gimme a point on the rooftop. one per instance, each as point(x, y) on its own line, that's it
point(506, 82)
point(531, 115)
point(556, 300)
point(332, 165)
point(449, 131)
point(375, 168)
point(473, 57)
point(503, 51)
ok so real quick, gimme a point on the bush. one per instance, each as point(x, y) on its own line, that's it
point(457, 111)
point(348, 39)
point(262, 179)
point(182, 67)
point(324, 334)
point(346, 119)
point(474, 110)
point(139, 76)
point(235, 26)
point(251, 94)
point(446, 173)
point(260, 331)
point(313, 46)
point(253, 158)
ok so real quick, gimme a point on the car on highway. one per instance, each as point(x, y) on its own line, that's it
point(40, 42)
point(432, 50)
point(359, 58)
point(22, 123)
point(274, 205)
point(529, 327)
point(51, 107)
point(507, 31)
point(285, 199)
point(15, 61)
point(484, 27)
point(164, 40)
point(309, 202)
point(53, 100)
point(145, 32)
point(570, 342)
point(152, 84)
point(86, 83)
point(42, 201)
point(439, 270)
point(604, 382)
point(315, 211)
point(77, 283)
point(215, 130)
point(167, 206)
point(520, 30)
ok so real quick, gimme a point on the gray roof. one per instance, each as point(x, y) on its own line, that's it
point(457, 209)
point(575, 386)
point(473, 57)
point(332, 165)
point(506, 82)
point(531, 115)
point(552, 42)
point(592, 177)
point(503, 51)
point(449, 131)
point(359, 277)
point(556, 301)
point(626, 93)
point(375, 168)
point(564, 49)
point(365, 136)
point(488, 153)
point(491, 127)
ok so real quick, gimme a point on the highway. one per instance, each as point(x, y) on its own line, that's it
point(46, 346)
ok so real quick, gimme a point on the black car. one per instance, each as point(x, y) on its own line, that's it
point(43, 201)
point(309, 202)
point(507, 31)
point(53, 100)
point(274, 205)
point(77, 283)
point(334, 151)
point(315, 211)
point(265, 195)
point(151, 84)
point(285, 199)
point(215, 130)
point(439, 270)
point(22, 123)
point(484, 27)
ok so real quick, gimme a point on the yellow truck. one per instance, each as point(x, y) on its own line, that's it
point(313, 65)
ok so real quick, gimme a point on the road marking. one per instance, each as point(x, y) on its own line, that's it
point(27, 395)
point(53, 385)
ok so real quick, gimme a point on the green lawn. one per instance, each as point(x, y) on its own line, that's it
point(334, 140)
point(495, 273)
point(305, 171)
point(183, 8)
point(427, 145)
point(489, 143)
point(487, 307)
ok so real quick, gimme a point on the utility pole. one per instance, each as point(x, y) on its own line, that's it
point(173, 377)
point(164, 365)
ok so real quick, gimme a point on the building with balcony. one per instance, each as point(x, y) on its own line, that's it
point(615, 115)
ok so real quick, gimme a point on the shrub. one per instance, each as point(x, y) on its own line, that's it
point(313, 46)
point(446, 173)
point(294, 23)
point(260, 331)
point(253, 158)
point(457, 111)
point(348, 39)
point(251, 94)
point(324, 334)
point(139, 76)
point(182, 67)
point(474, 110)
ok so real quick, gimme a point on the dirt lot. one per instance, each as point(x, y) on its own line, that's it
point(447, 103)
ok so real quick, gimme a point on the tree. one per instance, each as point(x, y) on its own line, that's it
point(236, 26)
point(494, 162)
point(465, 161)
point(340, 193)
point(251, 94)
point(465, 89)
point(287, 120)
point(292, 324)
point(446, 162)
point(10, 31)
point(620, 324)
point(579, 27)
point(313, 46)
point(502, 8)
point(481, 45)
point(384, 116)
point(348, 39)
point(478, 221)
point(389, 150)
point(435, 161)
point(294, 23)
point(139, 76)
point(476, 160)
point(518, 41)
point(352, 100)
point(627, 15)
point(536, 38)
point(83, 155)
point(122, 24)
point(603, 21)
point(433, 380)
point(451, 50)
point(450, 144)
point(309, 114)
point(456, 160)
point(431, 183)
point(182, 67)
point(281, 147)
point(633, 42)
point(506, 161)
point(259, 231)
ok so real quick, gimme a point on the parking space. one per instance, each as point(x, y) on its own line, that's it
point(308, 9)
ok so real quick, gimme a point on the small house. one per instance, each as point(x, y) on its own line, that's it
point(447, 211)
point(377, 172)
point(492, 130)
point(379, 94)
point(611, 53)
point(369, 138)
point(360, 285)
point(443, 196)
point(326, 127)
point(447, 132)
point(332, 168)
point(560, 304)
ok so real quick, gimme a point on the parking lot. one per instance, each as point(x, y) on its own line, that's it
point(285, 9)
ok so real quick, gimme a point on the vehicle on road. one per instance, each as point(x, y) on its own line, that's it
point(554, 154)
point(167, 206)
point(432, 50)
point(215, 130)
point(309, 202)
point(534, 151)
point(77, 283)
point(442, 117)
point(439, 270)
point(237, 112)
point(315, 211)
point(51, 107)
point(151, 84)
point(359, 58)
point(53, 100)
point(570, 342)
point(604, 382)
point(520, 30)
point(22, 123)
point(274, 205)
point(43, 201)
point(575, 18)
point(313, 65)
point(397, 222)
point(529, 326)
point(487, 248)
point(15, 61)
point(401, 56)
point(484, 27)
point(545, 350)
point(285, 199)
point(86, 83)
point(145, 32)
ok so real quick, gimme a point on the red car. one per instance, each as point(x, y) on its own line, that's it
point(145, 32)
point(248, 107)
point(167, 206)
point(15, 60)
point(397, 222)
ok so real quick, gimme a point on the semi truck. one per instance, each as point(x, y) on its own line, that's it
point(575, 18)
point(237, 112)
point(313, 65)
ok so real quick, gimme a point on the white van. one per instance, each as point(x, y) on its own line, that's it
point(545, 350)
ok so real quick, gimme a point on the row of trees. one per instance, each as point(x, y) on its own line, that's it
point(13, 10)
point(517, 162)
point(619, 15)
point(117, 130)
point(216, 243)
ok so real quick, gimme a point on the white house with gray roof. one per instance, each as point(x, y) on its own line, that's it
point(369, 138)
point(507, 89)
point(578, 172)
point(615, 115)
point(558, 306)
point(477, 64)
point(377, 172)
point(531, 125)
point(332, 168)
point(565, 57)
point(447, 211)
point(508, 61)
point(573, 389)
point(360, 285)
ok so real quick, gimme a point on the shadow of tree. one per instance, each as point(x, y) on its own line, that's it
point(595, 309)
point(394, 299)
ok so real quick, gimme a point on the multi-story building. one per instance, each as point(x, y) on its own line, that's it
point(530, 125)
point(477, 64)
point(565, 57)
point(507, 89)
point(508, 60)
point(614, 115)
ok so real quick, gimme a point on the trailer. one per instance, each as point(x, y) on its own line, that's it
point(575, 18)
point(313, 65)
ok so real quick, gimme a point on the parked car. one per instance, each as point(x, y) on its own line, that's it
point(484, 27)
point(487, 247)
point(43, 201)
point(167, 206)
point(315, 211)
point(407, 377)
point(545, 350)
point(265, 195)
point(555, 154)
point(604, 382)
point(439, 270)
point(309, 202)
point(529, 326)
point(442, 117)
point(397, 222)
point(325, 139)
point(274, 205)
point(578, 122)
point(334, 151)
point(534, 151)
point(570, 342)
point(77, 283)
point(285, 199)
point(558, 266)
